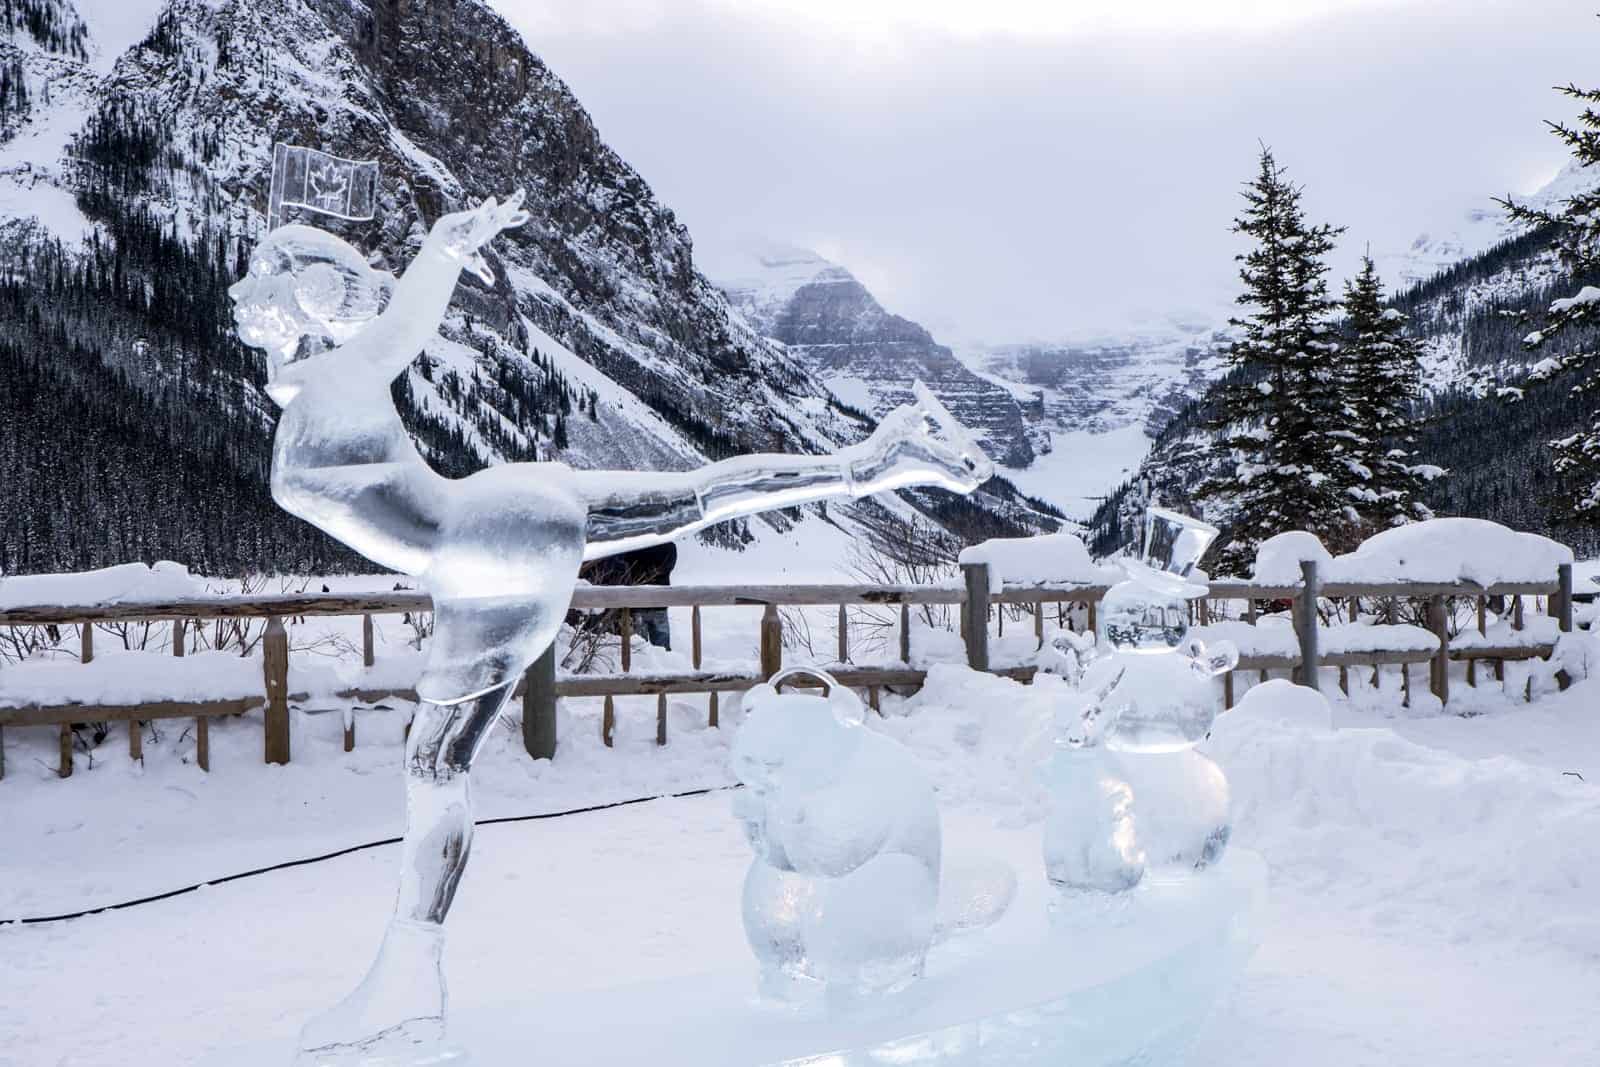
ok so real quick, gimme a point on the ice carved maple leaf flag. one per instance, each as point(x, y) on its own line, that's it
point(320, 182)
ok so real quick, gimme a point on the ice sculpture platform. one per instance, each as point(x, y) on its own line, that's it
point(1127, 987)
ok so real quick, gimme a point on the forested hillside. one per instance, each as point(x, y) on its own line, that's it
point(1478, 417)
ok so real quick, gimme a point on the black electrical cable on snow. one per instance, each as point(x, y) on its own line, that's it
point(286, 864)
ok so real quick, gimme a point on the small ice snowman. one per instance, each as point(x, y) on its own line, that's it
point(1156, 803)
point(1090, 843)
point(841, 898)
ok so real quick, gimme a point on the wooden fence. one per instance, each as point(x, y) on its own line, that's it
point(542, 687)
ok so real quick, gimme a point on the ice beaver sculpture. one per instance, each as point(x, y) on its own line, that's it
point(499, 552)
point(842, 896)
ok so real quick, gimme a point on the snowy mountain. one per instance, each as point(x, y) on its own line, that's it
point(867, 356)
point(1102, 398)
point(1477, 230)
point(135, 171)
point(1106, 381)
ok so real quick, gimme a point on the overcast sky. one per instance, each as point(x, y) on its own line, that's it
point(1014, 169)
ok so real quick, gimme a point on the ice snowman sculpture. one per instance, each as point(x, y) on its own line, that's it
point(842, 895)
point(1127, 791)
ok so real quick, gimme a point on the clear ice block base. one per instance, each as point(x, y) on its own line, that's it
point(1125, 983)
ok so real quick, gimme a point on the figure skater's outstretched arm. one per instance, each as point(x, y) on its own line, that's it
point(918, 444)
point(422, 295)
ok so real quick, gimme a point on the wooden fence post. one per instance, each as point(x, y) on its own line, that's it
point(771, 641)
point(1306, 613)
point(661, 718)
point(275, 669)
point(844, 635)
point(695, 654)
point(1481, 605)
point(85, 655)
point(1564, 616)
point(627, 640)
point(1038, 622)
point(1441, 659)
point(367, 656)
point(905, 633)
point(539, 707)
point(977, 635)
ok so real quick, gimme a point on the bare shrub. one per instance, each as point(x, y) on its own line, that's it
point(894, 551)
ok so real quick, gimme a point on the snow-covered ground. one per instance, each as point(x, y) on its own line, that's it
point(1433, 877)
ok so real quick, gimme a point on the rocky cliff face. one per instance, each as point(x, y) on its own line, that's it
point(134, 173)
point(454, 108)
point(867, 356)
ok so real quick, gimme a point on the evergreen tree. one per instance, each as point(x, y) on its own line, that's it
point(1277, 415)
point(1576, 226)
point(1381, 386)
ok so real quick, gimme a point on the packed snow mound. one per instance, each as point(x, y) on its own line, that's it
point(321, 676)
point(1274, 636)
point(125, 678)
point(984, 737)
point(1279, 557)
point(1057, 559)
point(1274, 705)
point(1452, 550)
point(1417, 838)
point(122, 584)
point(1271, 636)
point(1435, 551)
point(1375, 637)
point(1536, 630)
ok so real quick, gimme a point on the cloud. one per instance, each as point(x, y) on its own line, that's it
point(1021, 173)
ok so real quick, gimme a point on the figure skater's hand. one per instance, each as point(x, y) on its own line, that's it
point(465, 232)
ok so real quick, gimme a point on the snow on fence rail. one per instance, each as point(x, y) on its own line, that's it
point(206, 685)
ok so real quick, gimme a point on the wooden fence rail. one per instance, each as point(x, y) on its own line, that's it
point(542, 687)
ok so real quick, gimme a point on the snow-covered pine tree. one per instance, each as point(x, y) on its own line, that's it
point(1277, 415)
point(1577, 234)
point(1381, 382)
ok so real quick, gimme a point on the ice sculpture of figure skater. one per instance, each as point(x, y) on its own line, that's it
point(498, 550)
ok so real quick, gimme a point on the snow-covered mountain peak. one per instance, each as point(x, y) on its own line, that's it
point(760, 275)
point(867, 355)
point(1476, 230)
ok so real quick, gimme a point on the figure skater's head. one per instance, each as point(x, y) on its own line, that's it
point(307, 291)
